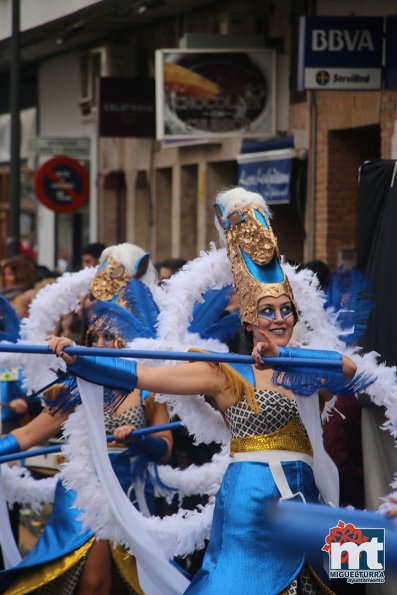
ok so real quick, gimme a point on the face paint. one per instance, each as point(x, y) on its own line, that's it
point(106, 337)
point(270, 312)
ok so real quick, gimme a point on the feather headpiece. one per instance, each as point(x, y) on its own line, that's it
point(137, 318)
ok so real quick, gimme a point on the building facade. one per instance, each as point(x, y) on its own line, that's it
point(144, 191)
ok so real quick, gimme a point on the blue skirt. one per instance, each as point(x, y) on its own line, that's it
point(243, 556)
point(64, 533)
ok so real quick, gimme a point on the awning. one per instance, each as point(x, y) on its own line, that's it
point(266, 167)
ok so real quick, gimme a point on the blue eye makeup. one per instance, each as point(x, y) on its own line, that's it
point(269, 312)
point(107, 338)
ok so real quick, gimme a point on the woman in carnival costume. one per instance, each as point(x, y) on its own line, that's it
point(67, 558)
point(276, 442)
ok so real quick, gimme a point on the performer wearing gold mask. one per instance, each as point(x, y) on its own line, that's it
point(272, 453)
point(66, 558)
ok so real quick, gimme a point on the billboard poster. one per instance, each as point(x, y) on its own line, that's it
point(215, 93)
point(269, 173)
point(126, 107)
point(340, 53)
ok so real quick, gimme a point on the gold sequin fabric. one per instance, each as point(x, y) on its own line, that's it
point(249, 235)
point(65, 584)
point(134, 416)
point(276, 411)
point(291, 437)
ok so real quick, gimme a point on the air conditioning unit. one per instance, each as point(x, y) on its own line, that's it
point(93, 64)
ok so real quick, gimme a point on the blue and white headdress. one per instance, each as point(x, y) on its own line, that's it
point(242, 220)
point(118, 265)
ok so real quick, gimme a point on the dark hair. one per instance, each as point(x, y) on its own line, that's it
point(322, 271)
point(23, 269)
point(172, 263)
point(43, 272)
point(95, 249)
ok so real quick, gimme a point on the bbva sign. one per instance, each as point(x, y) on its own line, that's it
point(337, 40)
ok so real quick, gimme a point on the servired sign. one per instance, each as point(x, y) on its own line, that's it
point(340, 53)
point(62, 184)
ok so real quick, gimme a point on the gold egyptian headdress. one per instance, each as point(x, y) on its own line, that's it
point(124, 305)
point(243, 223)
point(118, 265)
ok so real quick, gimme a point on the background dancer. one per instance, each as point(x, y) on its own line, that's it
point(67, 559)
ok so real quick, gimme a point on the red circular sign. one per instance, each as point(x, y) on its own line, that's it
point(62, 184)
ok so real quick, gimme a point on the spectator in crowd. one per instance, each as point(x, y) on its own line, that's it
point(168, 267)
point(91, 254)
point(18, 276)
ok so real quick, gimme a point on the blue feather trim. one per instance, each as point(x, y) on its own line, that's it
point(225, 329)
point(209, 311)
point(68, 397)
point(9, 321)
point(349, 295)
point(209, 319)
point(110, 317)
point(138, 299)
point(306, 381)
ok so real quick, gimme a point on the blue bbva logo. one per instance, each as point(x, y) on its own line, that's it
point(338, 40)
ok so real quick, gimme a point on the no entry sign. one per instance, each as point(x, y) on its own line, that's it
point(62, 184)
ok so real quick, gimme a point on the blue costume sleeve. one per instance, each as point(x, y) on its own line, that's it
point(153, 447)
point(305, 381)
point(113, 372)
point(8, 445)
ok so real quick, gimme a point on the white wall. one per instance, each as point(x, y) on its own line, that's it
point(59, 115)
point(38, 12)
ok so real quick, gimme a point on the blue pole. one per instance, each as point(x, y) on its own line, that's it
point(174, 355)
point(45, 450)
point(309, 525)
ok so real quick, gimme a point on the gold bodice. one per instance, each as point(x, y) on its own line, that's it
point(276, 427)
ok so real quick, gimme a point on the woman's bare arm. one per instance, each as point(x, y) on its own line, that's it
point(40, 429)
point(159, 417)
point(182, 379)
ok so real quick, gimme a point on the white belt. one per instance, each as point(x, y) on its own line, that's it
point(274, 458)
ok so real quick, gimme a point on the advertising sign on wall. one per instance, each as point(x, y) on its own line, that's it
point(268, 173)
point(340, 53)
point(127, 107)
point(215, 93)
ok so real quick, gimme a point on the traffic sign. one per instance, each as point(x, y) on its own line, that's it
point(62, 184)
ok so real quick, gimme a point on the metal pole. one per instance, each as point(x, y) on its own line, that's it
point(15, 173)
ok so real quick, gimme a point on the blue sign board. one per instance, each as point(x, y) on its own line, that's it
point(340, 53)
point(268, 173)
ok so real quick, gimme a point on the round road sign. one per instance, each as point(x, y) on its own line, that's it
point(62, 184)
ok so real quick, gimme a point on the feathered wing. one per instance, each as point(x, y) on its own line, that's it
point(120, 322)
point(349, 296)
point(9, 321)
point(209, 318)
point(138, 299)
